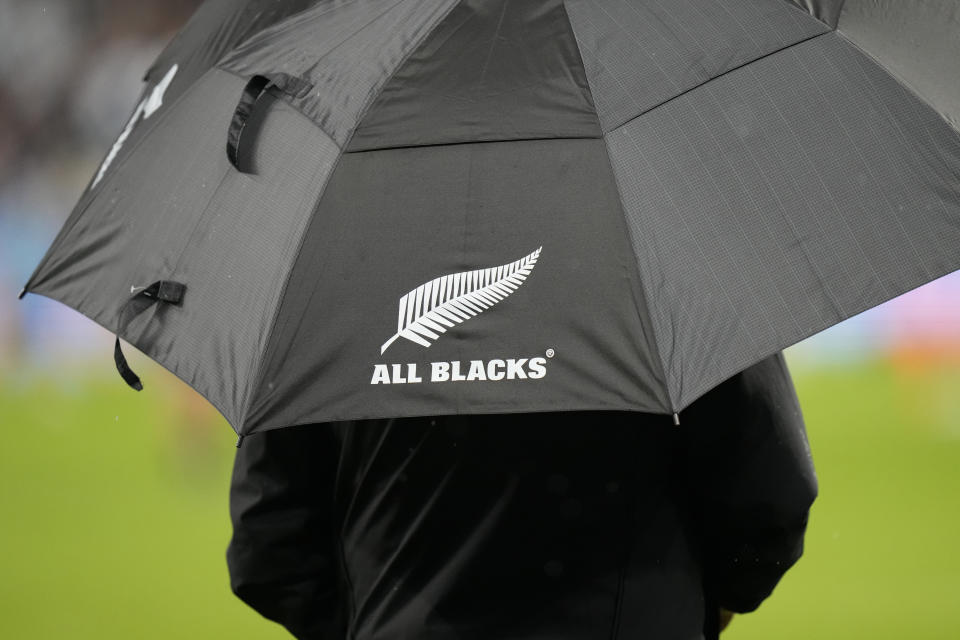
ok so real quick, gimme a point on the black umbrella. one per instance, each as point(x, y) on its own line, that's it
point(335, 210)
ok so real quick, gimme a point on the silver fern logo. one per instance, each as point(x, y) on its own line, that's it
point(429, 310)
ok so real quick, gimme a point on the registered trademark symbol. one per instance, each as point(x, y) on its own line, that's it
point(551, 353)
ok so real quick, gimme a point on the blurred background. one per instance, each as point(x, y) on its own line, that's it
point(114, 504)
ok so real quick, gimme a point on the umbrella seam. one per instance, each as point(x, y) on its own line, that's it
point(374, 95)
point(246, 392)
point(811, 10)
point(462, 142)
point(89, 190)
point(271, 327)
point(282, 25)
point(583, 66)
point(223, 65)
point(717, 77)
point(901, 134)
point(900, 81)
point(361, 113)
point(586, 89)
point(843, 5)
point(207, 391)
point(653, 343)
point(316, 62)
point(858, 308)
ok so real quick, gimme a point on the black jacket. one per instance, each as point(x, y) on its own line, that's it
point(553, 526)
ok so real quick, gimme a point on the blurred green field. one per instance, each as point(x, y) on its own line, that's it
point(115, 517)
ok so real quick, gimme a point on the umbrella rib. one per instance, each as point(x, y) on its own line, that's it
point(88, 193)
point(718, 76)
point(375, 93)
point(261, 360)
point(361, 113)
point(856, 147)
point(639, 290)
point(358, 30)
point(643, 311)
point(462, 142)
point(196, 225)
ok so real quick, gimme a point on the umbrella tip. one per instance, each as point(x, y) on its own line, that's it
point(676, 419)
point(239, 441)
point(22, 293)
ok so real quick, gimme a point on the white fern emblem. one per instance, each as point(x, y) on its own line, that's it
point(444, 302)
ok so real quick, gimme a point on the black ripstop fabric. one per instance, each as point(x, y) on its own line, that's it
point(916, 40)
point(491, 70)
point(827, 11)
point(780, 199)
point(175, 209)
point(214, 29)
point(753, 179)
point(391, 220)
point(347, 50)
point(641, 53)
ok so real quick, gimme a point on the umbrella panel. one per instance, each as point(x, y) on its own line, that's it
point(392, 220)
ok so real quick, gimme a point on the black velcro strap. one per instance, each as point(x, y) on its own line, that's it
point(166, 291)
point(252, 92)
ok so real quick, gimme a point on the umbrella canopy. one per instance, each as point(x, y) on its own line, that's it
point(326, 210)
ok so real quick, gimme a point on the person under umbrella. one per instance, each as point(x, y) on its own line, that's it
point(564, 526)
